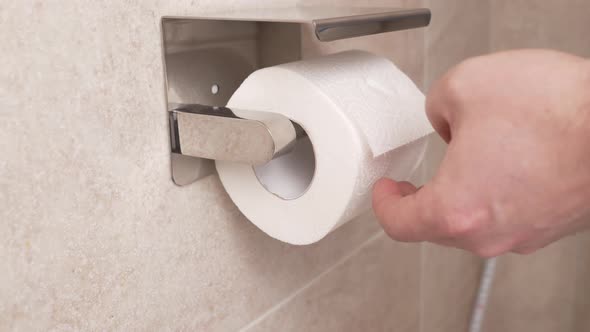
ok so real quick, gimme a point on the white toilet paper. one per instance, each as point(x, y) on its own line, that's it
point(365, 120)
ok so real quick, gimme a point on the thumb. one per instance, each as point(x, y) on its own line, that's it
point(402, 210)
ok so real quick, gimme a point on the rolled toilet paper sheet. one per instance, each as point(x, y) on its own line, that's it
point(364, 119)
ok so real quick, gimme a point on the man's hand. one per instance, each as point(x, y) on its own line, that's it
point(516, 175)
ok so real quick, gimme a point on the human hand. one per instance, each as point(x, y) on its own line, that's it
point(516, 175)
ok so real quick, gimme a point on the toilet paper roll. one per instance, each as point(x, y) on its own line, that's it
point(364, 120)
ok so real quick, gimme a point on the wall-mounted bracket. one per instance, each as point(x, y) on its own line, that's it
point(206, 58)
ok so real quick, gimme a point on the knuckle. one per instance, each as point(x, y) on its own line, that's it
point(464, 223)
point(454, 86)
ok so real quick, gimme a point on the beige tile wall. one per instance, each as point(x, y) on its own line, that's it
point(547, 291)
point(561, 25)
point(94, 235)
point(581, 320)
point(375, 290)
point(536, 292)
point(459, 29)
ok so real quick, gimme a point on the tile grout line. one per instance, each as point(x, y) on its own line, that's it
point(310, 283)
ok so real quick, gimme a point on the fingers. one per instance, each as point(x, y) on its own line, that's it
point(412, 215)
point(401, 208)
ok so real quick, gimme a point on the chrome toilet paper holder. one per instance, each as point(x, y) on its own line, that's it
point(206, 58)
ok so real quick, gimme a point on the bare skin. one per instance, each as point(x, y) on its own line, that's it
point(516, 175)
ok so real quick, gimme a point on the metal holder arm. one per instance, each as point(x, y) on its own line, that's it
point(219, 133)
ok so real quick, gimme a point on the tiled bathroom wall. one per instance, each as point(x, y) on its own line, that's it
point(460, 29)
point(549, 290)
point(95, 236)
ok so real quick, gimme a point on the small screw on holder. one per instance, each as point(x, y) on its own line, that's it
point(215, 89)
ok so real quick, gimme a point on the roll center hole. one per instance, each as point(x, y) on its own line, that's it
point(290, 175)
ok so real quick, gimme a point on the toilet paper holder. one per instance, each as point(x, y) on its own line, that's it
point(206, 58)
